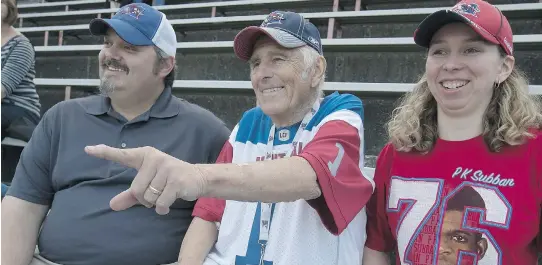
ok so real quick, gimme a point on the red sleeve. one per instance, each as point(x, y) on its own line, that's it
point(539, 237)
point(379, 236)
point(537, 164)
point(211, 209)
point(335, 154)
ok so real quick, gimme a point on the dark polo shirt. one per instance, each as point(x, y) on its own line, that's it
point(54, 170)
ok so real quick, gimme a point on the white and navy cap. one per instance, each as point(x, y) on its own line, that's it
point(288, 29)
point(141, 25)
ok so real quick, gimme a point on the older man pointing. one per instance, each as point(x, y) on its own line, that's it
point(289, 187)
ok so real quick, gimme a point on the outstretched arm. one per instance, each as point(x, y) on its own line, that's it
point(286, 179)
point(326, 173)
point(279, 180)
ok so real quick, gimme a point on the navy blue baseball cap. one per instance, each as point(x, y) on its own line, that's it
point(288, 29)
point(141, 25)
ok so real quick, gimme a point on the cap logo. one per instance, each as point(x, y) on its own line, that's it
point(507, 43)
point(131, 10)
point(313, 41)
point(467, 9)
point(273, 18)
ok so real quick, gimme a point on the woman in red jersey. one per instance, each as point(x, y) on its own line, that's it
point(461, 180)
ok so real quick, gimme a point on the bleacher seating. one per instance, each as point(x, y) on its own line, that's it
point(210, 8)
point(213, 85)
point(209, 86)
point(521, 42)
point(60, 6)
point(370, 52)
point(13, 142)
point(523, 11)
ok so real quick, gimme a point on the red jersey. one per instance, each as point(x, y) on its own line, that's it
point(458, 204)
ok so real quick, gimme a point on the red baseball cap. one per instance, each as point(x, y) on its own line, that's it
point(483, 17)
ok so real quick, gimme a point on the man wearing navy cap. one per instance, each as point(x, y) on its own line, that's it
point(289, 188)
point(66, 192)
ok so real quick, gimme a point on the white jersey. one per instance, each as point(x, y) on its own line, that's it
point(324, 231)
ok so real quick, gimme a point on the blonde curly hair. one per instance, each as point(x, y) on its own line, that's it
point(509, 118)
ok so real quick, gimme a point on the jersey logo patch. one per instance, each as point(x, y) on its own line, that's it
point(284, 135)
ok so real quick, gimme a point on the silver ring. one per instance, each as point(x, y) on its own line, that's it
point(154, 190)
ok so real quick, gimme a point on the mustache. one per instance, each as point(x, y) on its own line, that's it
point(115, 64)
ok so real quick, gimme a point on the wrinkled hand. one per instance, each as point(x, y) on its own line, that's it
point(161, 178)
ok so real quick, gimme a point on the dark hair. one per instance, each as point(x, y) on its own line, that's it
point(170, 78)
point(12, 13)
point(467, 196)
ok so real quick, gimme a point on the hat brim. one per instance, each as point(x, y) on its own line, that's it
point(125, 31)
point(243, 43)
point(431, 24)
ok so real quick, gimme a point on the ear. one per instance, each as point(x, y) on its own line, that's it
point(166, 66)
point(319, 71)
point(506, 68)
point(482, 247)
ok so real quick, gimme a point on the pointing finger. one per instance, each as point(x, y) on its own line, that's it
point(129, 157)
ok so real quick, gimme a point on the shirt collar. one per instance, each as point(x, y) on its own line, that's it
point(164, 107)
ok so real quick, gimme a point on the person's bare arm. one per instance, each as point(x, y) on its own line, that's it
point(287, 179)
point(21, 221)
point(198, 241)
point(373, 257)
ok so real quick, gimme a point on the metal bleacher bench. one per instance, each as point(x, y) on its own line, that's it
point(60, 6)
point(13, 142)
point(214, 85)
point(521, 11)
point(231, 86)
point(521, 42)
point(212, 7)
point(68, 84)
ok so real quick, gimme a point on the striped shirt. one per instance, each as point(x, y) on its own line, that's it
point(18, 74)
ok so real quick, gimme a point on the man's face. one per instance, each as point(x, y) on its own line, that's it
point(454, 239)
point(280, 78)
point(126, 69)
